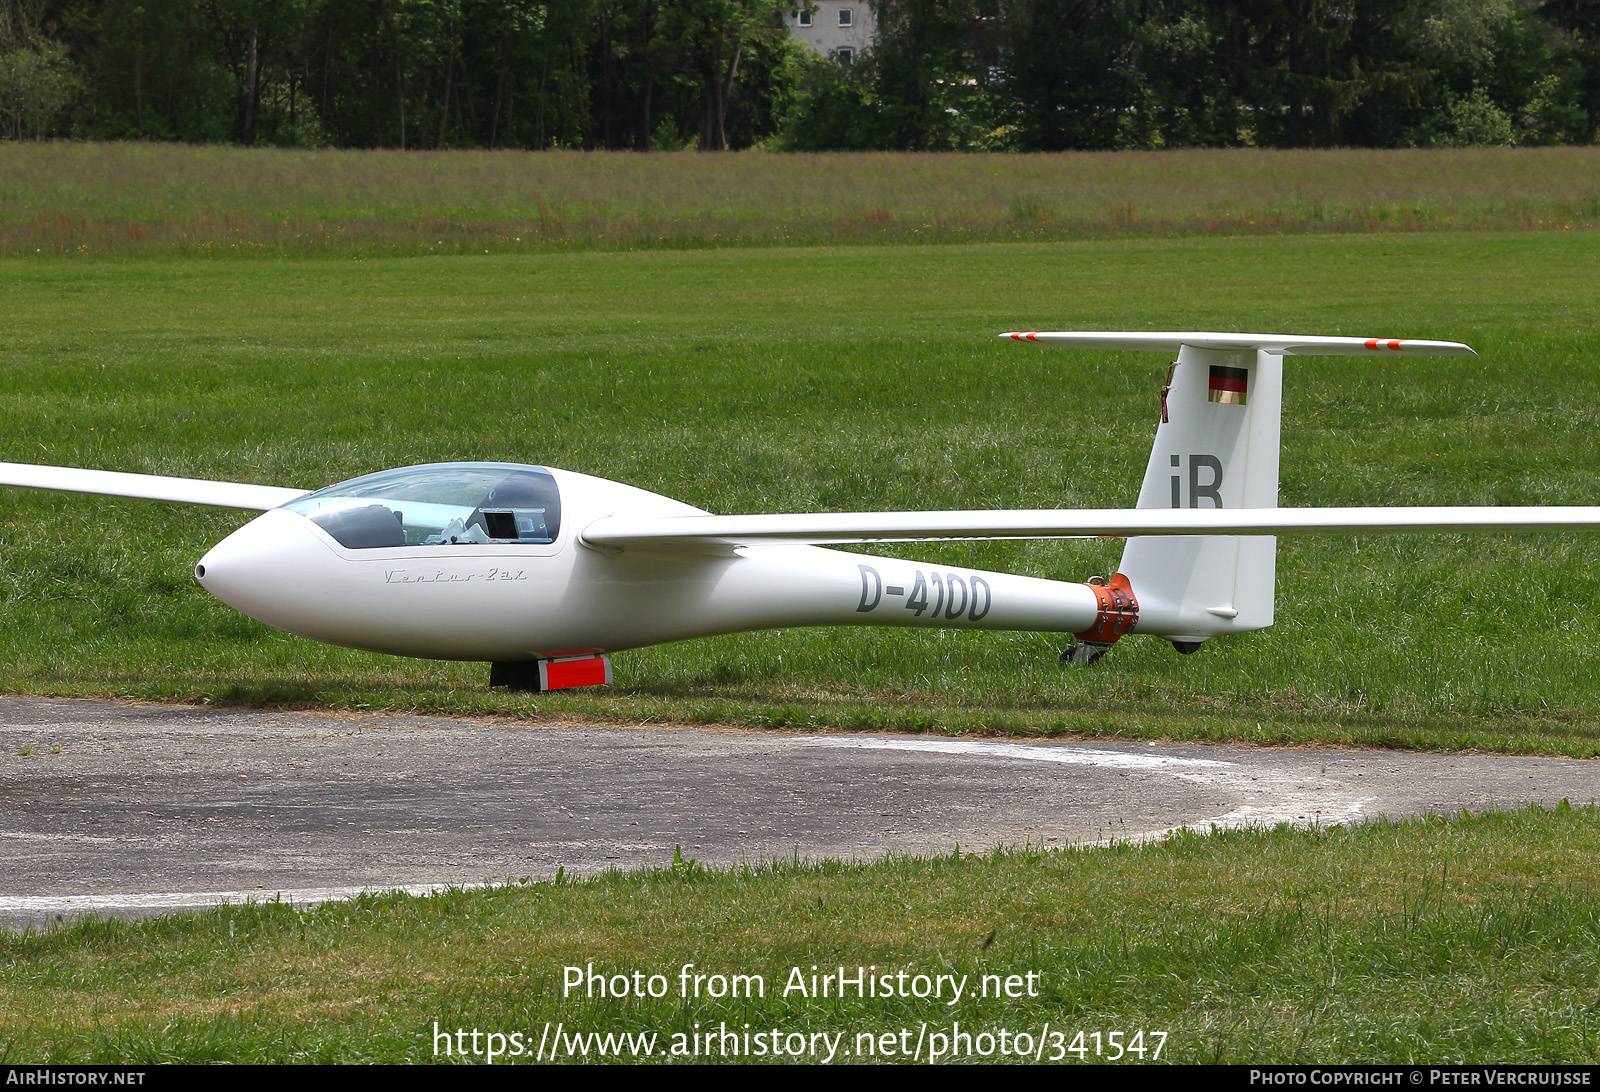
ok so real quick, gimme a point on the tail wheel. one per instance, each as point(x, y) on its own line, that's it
point(1086, 653)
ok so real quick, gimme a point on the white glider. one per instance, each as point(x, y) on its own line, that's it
point(544, 572)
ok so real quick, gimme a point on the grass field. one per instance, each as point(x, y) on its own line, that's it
point(1467, 940)
point(837, 379)
point(818, 377)
point(89, 199)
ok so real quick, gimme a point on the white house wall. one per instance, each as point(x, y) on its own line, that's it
point(827, 37)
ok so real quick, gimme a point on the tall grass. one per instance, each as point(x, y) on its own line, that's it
point(136, 198)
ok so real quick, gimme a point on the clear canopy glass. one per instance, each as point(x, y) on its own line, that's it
point(439, 504)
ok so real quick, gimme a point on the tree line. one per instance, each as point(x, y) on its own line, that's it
point(1023, 75)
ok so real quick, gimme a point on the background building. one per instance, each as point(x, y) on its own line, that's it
point(840, 29)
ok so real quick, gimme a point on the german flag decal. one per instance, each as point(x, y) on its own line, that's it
point(1228, 385)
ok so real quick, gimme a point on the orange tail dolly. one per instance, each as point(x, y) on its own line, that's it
point(1119, 610)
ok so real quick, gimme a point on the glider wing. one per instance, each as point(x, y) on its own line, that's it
point(115, 483)
point(622, 532)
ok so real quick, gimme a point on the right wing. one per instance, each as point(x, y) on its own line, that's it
point(115, 483)
point(720, 532)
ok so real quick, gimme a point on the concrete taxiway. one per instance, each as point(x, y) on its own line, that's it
point(130, 809)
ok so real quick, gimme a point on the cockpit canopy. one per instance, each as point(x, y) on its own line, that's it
point(439, 504)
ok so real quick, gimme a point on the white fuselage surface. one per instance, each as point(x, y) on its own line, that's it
point(515, 600)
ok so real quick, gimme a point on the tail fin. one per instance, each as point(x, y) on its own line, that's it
point(1217, 447)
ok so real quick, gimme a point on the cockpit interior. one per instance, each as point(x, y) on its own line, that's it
point(439, 504)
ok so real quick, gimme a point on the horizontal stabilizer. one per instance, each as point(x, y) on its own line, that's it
point(621, 532)
point(114, 483)
point(1281, 344)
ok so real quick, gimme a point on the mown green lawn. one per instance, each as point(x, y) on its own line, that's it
point(1432, 940)
point(863, 376)
point(836, 379)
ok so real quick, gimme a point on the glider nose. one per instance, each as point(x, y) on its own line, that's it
point(254, 569)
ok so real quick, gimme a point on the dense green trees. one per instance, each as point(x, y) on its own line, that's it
point(399, 73)
point(713, 74)
point(1057, 74)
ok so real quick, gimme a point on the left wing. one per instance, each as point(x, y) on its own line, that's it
point(115, 483)
point(720, 532)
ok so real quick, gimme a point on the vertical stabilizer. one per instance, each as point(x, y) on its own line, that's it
point(1216, 447)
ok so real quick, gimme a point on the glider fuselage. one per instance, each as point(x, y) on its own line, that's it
point(508, 601)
